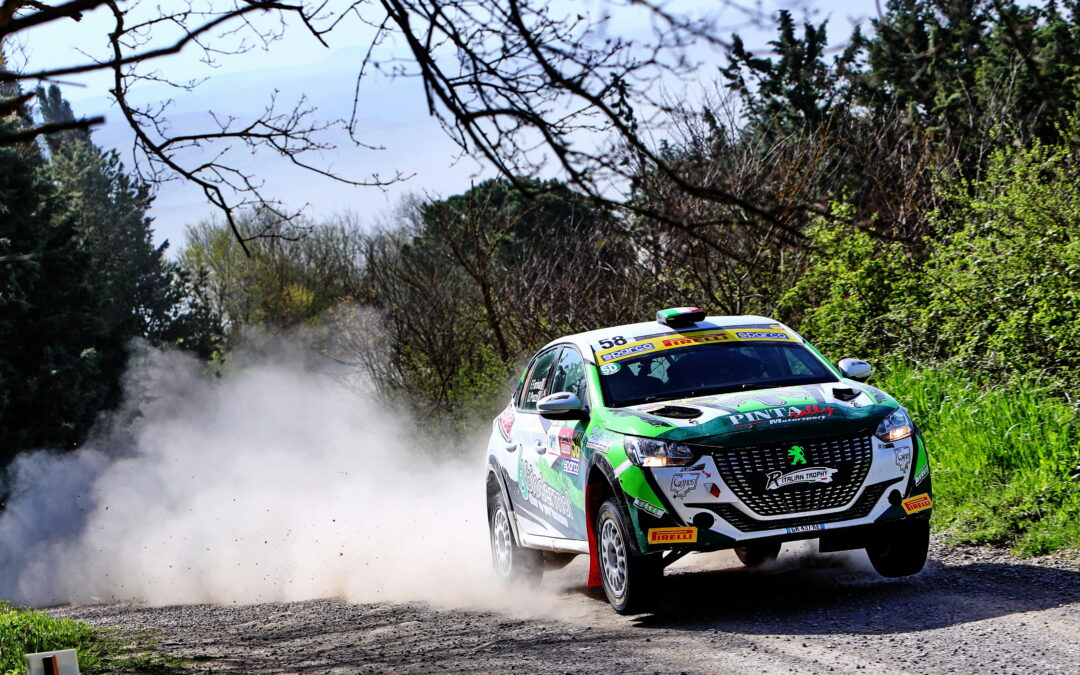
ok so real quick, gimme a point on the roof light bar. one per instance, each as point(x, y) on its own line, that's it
point(680, 316)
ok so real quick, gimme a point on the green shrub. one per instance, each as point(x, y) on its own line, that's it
point(1005, 286)
point(857, 292)
point(25, 631)
point(1003, 453)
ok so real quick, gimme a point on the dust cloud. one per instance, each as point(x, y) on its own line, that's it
point(270, 483)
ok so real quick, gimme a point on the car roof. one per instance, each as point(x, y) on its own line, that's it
point(589, 340)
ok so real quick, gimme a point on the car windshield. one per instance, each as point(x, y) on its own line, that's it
point(709, 369)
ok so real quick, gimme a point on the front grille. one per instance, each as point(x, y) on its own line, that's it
point(747, 472)
point(744, 523)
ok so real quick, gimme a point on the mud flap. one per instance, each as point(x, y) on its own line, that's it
point(595, 581)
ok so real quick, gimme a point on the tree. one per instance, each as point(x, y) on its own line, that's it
point(517, 83)
point(51, 335)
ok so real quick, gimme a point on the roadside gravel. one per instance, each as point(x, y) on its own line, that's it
point(973, 610)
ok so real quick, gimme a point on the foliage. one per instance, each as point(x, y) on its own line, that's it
point(25, 631)
point(79, 280)
point(288, 277)
point(856, 292)
point(1005, 285)
point(1004, 455)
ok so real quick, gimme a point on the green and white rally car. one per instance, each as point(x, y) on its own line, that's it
point(638, 444)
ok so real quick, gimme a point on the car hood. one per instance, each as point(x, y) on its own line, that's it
point(761, 416)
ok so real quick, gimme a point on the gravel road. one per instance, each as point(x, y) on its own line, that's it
point(971, 610)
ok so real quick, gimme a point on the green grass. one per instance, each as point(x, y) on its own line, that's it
point(25, 631)
point(1005, 457)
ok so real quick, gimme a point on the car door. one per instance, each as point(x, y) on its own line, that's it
point(534, 505)
point(563, 459)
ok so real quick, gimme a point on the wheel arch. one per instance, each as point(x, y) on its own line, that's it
point(600, 485)
point(496, 484)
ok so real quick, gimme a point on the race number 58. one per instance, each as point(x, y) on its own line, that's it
point(616, 341)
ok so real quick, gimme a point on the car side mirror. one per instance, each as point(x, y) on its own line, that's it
point(561, 406)
point(855, 369)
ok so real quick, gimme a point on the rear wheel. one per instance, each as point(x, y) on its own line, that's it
point(900, 551)
point(753, 555)
point(631, 579)
point(513, 563)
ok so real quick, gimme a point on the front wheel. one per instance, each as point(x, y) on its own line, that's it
point(631, 580)
point(513, 563)
point(901, 550)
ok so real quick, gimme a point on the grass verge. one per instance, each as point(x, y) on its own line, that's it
point(1005, 457)
point(26, 631)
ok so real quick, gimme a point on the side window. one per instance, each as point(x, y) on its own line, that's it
point(538, 375)
point(569, 374)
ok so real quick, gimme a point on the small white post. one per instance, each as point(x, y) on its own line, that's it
point(63, 662)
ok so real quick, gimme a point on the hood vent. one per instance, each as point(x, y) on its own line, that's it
point(677, 412)
point(845, 394)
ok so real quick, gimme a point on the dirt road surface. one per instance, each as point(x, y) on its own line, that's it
point(970, 611)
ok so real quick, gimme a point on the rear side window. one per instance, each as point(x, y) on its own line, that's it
point(537, 379)
point(569, 374)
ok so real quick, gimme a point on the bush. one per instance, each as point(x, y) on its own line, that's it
point(1003, 454)
point(25, 631)
point(1005, 286)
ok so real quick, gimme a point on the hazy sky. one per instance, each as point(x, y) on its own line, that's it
point(392, 112)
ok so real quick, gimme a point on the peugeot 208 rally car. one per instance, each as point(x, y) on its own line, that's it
point(638, 444)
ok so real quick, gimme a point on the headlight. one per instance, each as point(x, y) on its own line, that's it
point(652, 452)
point(895, 427)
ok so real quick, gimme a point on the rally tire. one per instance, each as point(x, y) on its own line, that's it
point(513, 564)
point(753, 555)
point(901, 550)
point(631, 580)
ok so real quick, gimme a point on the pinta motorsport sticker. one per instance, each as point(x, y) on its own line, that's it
point(610, 368)
point(917, 503)
point(782, 415)
point(813, 474)
point(649, 508)
point(673, 535)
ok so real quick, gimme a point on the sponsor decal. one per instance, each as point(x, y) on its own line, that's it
point(566, 442)
point(805, 528)
point(628, 351)
point(610, 350)
point(701, 339)
point(673, 535)
point(760, 335)
point(649, 507)
point(571, 466)
point(783, 415)
point(796, 455)
point(610, 368)
point(551, 501)
point(683, 482)
point(814, 474)
point(923, 473)
point(917, 503)
point(713, 489)
point(506, 422)
point(600, 441)
point(903, 458)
